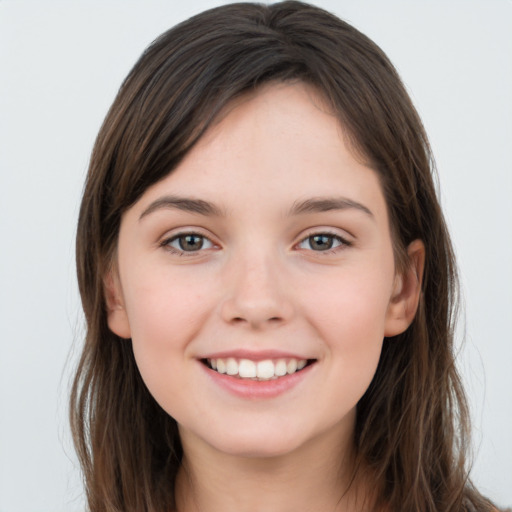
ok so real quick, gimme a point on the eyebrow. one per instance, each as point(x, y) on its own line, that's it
point(201, 207)
point(325, 204)
point(182, 203)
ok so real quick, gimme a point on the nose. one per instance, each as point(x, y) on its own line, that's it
point(257, 296)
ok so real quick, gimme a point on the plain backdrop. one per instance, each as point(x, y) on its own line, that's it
point(61, 64)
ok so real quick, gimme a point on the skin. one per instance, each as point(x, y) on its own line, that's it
point(259, 283)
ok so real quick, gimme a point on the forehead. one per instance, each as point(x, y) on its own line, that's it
point(283, 103)
point(279, 143)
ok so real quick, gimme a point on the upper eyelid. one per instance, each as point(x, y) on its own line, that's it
point(343, 234)
point(183, 231)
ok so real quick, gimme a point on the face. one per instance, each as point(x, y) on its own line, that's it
point(257, 280)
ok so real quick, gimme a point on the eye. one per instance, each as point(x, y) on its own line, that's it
point(187, 242)
point(322, 242)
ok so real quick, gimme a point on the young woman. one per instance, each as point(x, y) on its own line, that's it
point(268, 282)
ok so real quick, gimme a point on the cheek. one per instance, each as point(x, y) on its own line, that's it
point(165, 315)
point(349, 317)
point(164, 304)
point(350, 304)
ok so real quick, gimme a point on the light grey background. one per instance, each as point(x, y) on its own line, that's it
point(60, 66)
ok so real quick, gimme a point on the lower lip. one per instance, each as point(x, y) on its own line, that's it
point(258, 389)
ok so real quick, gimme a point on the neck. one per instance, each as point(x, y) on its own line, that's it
point(315, 477)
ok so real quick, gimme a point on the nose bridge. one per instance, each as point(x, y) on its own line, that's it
point(256, 295)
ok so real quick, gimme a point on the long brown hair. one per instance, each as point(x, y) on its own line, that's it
point(412, 423)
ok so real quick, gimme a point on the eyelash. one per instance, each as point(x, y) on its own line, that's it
point(166, 244)
point(343, 243)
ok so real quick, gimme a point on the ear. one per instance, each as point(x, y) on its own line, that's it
point(116, 313)
point(406, 291)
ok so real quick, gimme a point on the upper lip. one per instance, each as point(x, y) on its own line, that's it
point(254, 355)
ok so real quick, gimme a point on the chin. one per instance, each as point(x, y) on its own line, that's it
point(254, 443)
point(258, 448)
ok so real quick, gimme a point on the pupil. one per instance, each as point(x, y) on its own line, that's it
point(321, 242)
point(191, 242)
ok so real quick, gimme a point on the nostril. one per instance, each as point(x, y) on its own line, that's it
point(256, 323)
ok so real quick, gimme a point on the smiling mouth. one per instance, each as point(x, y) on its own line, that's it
point(266, 369)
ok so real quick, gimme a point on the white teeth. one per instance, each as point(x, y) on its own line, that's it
point(247, 369)
point(231, 366)
point(280, 368)
point(221, 366)
point(291, 366)
point(265, 369)
point(261, 370)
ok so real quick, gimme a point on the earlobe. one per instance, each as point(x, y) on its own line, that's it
point(407, 291)
point(116, 313)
